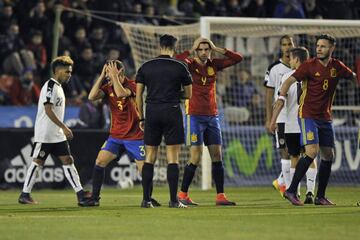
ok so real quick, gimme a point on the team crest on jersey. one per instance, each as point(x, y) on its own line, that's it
point(49, 93)
point(42, 154)
point(317, 74)
point(197, 70)
point(210, 71)
point(194, 137)
point(333, 72)
point(310, 135)
point(111, 94)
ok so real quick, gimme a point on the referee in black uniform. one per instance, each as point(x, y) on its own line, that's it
point(164, 79)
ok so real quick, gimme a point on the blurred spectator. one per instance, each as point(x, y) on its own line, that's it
point(187, 8)
point(37, 46)
point(138, 17)
point(150, 12)
point(312, 10)
point(336, 9)
point(233, 8)
point(65, 45)
point(113, 53)
point(37, 20)
point(6, 17)
point(85, 71)
point(14, 58)
point(98, 40)
point(289, 9)
point(256, 8)
point(243, 93)
point(212, 8)
point(16, 92)
point(80, 41)
point(92, 115)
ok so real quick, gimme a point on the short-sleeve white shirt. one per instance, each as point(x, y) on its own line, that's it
point(272, 79)
point(46, 131)
point(292, 106)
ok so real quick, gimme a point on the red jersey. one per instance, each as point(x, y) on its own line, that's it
point(124, 115)
point(319, 85)
point(203, 100)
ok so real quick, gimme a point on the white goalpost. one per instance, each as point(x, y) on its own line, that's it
point(248, 153)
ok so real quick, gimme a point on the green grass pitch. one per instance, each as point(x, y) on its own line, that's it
point(260, 214)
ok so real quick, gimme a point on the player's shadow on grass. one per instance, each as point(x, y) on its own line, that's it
point(51, 209)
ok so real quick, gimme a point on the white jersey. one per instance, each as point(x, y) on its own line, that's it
point(46, 131)
point(292, 105)
point(272, 79)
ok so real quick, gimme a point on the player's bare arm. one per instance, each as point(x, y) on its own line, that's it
point(95, 92)
point(278, 106)
point(355, 80)
point(268, 105)
point(50, 113)
point(285, 87)
point(187, 92)
point(117, 77)
point(139, 103)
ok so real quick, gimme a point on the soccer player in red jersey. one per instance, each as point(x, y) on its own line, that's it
point(202, 121)
point(125, 133)
point(320, 76)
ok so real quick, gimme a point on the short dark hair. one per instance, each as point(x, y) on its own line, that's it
point(328, 37)
point(285, 37)
point(61, 61)
point(300, 52)
point(168, 41)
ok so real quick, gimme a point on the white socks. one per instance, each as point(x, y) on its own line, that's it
point(73, 177)
point(280, 179)
point(285, 168)
point(31, 175)
point(310, 179)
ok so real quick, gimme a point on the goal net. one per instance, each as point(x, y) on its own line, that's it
point(248, 152)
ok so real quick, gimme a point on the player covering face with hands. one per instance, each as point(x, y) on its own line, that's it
point(118, 91)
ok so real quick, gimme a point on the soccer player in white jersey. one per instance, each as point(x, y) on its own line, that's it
point(272, 83)
point(51, 134)
point(292, 129)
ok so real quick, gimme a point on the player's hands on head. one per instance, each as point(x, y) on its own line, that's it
point(121, 75)
point(68, 133)
point(113, 70)
point(197, 43)
point(212, 45)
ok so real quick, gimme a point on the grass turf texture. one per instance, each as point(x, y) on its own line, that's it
point(260, 214)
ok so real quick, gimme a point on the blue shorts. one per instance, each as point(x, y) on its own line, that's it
point(316, 132)
point(202, 129)
point(135, 148)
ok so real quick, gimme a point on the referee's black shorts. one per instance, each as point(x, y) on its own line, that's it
point(163, 120)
